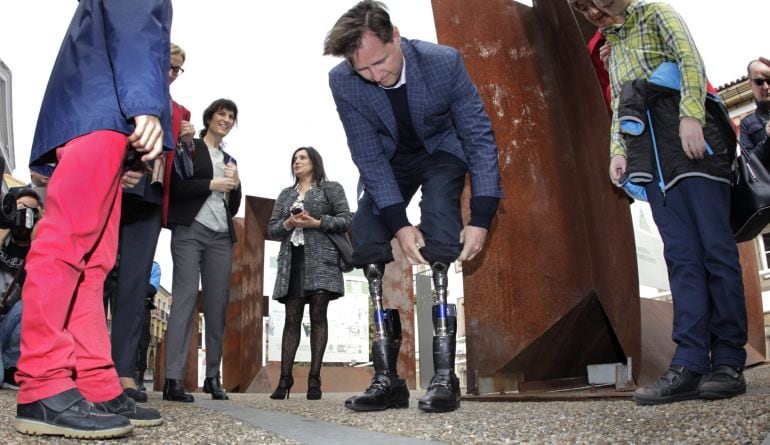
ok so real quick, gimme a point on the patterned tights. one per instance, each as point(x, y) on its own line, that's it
point(319, 331)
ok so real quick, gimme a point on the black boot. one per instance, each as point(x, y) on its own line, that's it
point(173, 390)
point(387, 389)
point(314, 387)
point(212, 385)
point(284, 388)
point(443, 393)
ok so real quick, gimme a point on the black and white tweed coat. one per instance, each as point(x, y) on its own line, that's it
point(327, 203)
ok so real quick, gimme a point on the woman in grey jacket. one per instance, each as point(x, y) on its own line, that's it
point(307, 262)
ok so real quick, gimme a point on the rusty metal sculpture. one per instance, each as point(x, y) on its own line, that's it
point(561, 255)
point(560, 258)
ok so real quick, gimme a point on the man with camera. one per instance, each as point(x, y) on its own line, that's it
point(16, 235)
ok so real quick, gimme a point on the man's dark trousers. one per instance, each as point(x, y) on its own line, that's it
point(704, 272)
point(442, 178)
point(140, 226)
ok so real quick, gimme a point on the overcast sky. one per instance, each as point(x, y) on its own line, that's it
point(266, 56)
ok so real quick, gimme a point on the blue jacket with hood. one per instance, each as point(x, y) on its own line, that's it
point(112, 66)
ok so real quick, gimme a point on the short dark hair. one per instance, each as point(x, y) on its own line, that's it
point(28, 192)
point(319, 173)
point(748, 67)
point(367, 16)
point(219, 104)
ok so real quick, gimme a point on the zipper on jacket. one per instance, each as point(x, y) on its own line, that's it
point(661, 182)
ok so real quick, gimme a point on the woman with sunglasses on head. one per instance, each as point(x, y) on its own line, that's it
point(308, 270)
point(200, 215)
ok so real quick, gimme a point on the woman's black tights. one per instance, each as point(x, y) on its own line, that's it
point(292, 328)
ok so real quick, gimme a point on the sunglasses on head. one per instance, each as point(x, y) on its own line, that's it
point(760, 82)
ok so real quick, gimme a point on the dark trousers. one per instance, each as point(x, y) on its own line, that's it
point(704, 273)
point(140, 226)
point(442, 178)
point(144, 344)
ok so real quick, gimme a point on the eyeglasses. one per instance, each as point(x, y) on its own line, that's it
point(760, 82)
point(177, 70)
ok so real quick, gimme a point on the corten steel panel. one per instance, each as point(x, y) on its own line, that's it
point(752, 290)
point(398, 293)
point(190, 377)
point(242, 358)
point(562, 240)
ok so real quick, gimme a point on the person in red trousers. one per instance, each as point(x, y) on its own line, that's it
point(106, 106)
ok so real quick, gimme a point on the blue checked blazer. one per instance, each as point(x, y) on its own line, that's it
point(447, 113)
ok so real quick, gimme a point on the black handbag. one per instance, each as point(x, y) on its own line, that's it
point(750, 196)
point(344, 250)
point(344, 247)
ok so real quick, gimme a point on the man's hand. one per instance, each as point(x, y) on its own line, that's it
point(618, 167)
point(147, 136)
point(691, 134)
point(473, 239)
point(222, 185)
point(410, 241)
point(131, 178)
point(765, 61)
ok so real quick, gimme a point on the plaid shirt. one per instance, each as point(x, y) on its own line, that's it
point(654, 33)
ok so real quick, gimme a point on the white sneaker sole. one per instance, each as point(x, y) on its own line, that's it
point(38, 428)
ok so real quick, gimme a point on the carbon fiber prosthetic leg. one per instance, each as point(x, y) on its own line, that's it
point(387, 389)
point(443, 393)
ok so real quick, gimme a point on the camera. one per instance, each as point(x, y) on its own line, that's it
point(296, 210)
point(7, 211)
point(14, 218)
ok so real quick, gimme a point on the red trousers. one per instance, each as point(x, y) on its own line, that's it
point(64, 338)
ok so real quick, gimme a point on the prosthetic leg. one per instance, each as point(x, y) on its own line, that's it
point(443, 393)
point(387, 389)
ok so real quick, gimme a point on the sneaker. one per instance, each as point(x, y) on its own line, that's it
point(9, 379)
point(723, 382)
point(135, 394)
point(677, 384)
point(126, 407)
point(68, 414)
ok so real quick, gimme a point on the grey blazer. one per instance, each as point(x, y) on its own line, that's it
point(327, 203)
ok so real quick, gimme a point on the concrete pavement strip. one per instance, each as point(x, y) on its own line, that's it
point(307, 430)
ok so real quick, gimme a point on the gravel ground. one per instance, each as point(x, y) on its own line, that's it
point(184, 424)
point(741, 420)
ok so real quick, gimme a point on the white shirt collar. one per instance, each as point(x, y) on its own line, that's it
point(401, 80)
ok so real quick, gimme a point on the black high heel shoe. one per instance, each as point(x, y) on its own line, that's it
point(284, 388)
point(314, 387)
